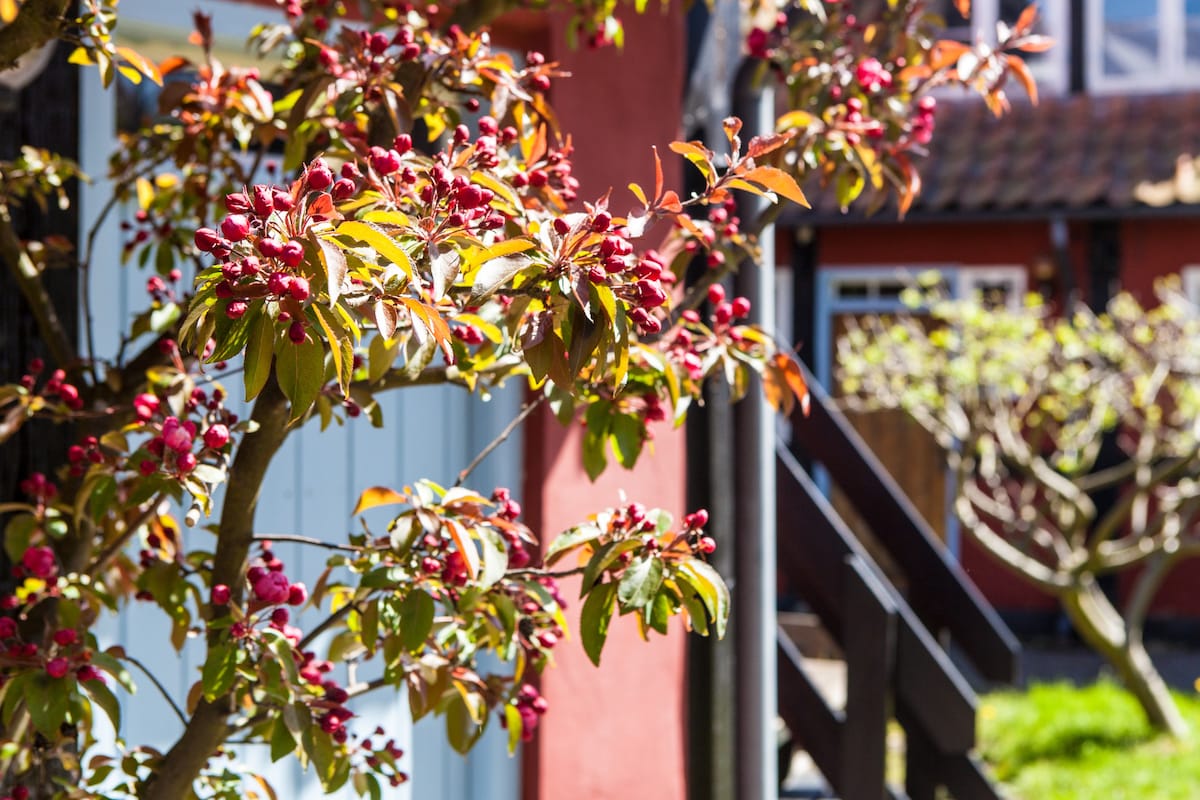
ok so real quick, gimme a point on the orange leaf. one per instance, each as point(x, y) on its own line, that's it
point(964, 8)
point(377, 496)
point(779, 182)
point(1027, 18)
point(172, 63)
point(670, 203)
point(794, 377)
point(945, 53)
point(1021, 71)
point(658, 174)
point(912, 184)
point(761, 145)
point(462, 541)
point(1034, 44)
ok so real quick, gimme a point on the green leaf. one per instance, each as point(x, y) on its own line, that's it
point(495, 556)
point(570, 539)
point(115, 668)
point(697, 613)
point(103, 696)
point(604, 558)
point(462, 731)
point(282, 742)
point(416, 619)
point(594, 618)
point(596, 423)
point(660, 611)
point(260, 348)
point(712, 590)
point(46, 701)
point(628, 434)
point(369, 634)
point(496, 273)
point(220, 670)
point(640, 583)
point(300, 369)
point(383, 244)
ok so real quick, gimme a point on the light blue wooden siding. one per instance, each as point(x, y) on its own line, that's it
point(310, 490)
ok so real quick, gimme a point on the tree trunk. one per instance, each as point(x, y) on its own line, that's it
point(1106, 631)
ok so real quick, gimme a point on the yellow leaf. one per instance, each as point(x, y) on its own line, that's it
point(131, 74)
point(378, 496)
point(794, 119)
point(507, 247)
point(382, 243)
point(80, 57)
point(641, 196)
point(140, 63)
point(779, 182)
point(145, 193)
point(8, 11)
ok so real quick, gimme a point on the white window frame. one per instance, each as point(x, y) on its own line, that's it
point(1171, 72)
point(1051, 69)
point(1189, 275)
point(1015, 279)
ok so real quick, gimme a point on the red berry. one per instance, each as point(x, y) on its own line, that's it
point(236, 309)
point(217, 436)
point(206, 239)
point(716, 294)
point(298, 289)
point(235, 227)
point(220, 594)
point(57, 667)
point(707, 544)
point(741, 306)
point(296, 332)
point(319, 175)
point(292, 253)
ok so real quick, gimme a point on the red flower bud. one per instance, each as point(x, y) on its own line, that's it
point(220, 594)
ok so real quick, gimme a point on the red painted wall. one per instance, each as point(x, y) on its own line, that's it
point(1150, 248)
point(617, 731)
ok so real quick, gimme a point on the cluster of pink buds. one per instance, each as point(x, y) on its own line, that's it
point(64, 655)
point(55, 386)
point(142, 229)
point(531, 705)
point(693, 525)
point(922, 124)
point(329, 693)
point(86, 452)
point(158, 289)
point(510, 509)
point(872, 75)
point(761, 43)
point(389, 753)
point(173, 448)
point(39, 488)
point(553, 172)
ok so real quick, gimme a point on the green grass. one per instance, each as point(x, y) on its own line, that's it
point(1059, 742)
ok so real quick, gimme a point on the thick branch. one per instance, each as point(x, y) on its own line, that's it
point(37, 22)
point(206, 730)
point(29, 280)
point(1006, 554)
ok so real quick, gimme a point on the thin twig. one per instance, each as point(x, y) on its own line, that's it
point(291, 537)
point(115, 546)
point(326, 624)
point(161, 689)
point(544, 573)
point(526, 410)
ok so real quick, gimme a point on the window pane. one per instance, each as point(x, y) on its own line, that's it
point(1192, 34)
point(1130, 37)
point(957, 27)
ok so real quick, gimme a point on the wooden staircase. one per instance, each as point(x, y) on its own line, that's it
point(895, 647)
